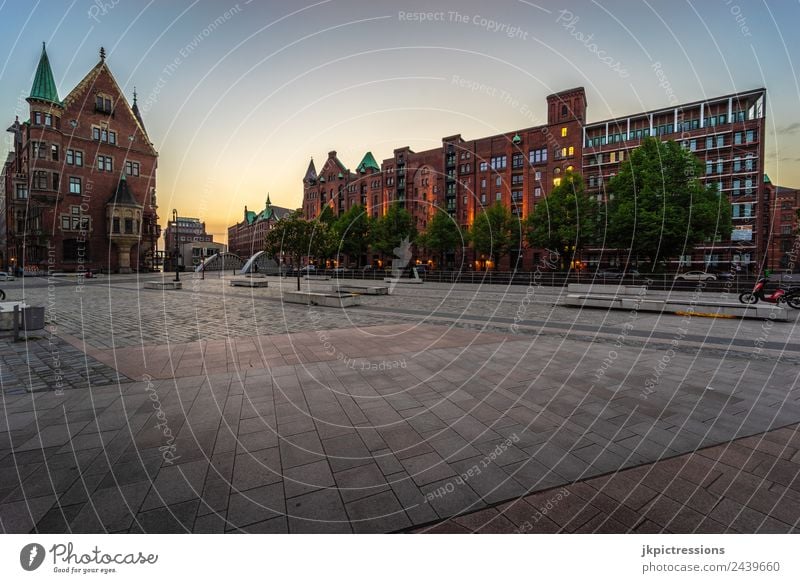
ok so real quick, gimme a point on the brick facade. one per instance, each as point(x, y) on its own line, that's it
point(81, 180)
point(246, 237)
point(521, 167)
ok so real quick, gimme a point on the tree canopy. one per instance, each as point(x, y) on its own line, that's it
point(390, 229)
point(442, 235)
point(658, 206)
point(352, 230)
point(495, 232)
point(565, 221)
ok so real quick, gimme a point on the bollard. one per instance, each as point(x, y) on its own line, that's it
point(16, 322)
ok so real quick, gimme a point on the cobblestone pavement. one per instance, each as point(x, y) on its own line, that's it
point(248, 414)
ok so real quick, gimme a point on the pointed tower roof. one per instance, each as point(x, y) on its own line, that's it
point(311, 173)
point(44, 86)
point(135, 110)
point(367, 163)
point(122, 195)
point(269, 203)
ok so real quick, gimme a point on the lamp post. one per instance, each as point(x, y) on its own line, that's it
point(177, 248)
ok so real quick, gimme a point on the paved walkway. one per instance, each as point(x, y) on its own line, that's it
point(370, 429)
point(751, 485)
point(219, 410)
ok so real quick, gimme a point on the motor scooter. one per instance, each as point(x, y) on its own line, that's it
point(783, 294)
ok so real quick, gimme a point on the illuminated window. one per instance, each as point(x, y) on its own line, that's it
point(563, 132)
point(563, 152)
point(571, 151)
point(556, 181)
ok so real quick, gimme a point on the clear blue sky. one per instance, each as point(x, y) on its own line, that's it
point(238, 96)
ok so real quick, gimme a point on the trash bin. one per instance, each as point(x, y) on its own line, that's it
point(33, 318)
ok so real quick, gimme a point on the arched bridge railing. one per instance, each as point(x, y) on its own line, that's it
point(221, 262)
point(260, 263)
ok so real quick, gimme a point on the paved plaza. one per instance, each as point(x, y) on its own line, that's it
point(439, 408)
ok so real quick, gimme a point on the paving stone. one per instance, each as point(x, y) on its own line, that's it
point(377, 513)
point(317, 512)
point(303, 479)
point(255, 505)
point(255, 469)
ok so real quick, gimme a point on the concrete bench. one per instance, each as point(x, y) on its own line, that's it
point(317, 277)
point(396, 280)
point(163, 285)
point(368, 290)
point(330, 300)
point(249, 282)
point(680, 307)
point(32, 316)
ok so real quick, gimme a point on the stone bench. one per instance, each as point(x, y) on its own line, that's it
point(330, 300)
point(396, 280)
point(250, 282)
point(680, 307)
point(32, 316)
point(367, 290)
point(163, 285)
point(317, 277)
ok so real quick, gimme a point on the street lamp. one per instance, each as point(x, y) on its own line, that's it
point(177, 248)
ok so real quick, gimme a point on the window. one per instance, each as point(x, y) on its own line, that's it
point(102, 104)
point(748, 163)
point(736, 186)
point(104, 135)
point(786, 230)
point(537, 192)
point(56, 181)
point(748, 186)
point(516, 195)
point(563, 132)
point(498, 196)
point(128, 226)
point(483, 198)
point(737, 138)
point(21, 192)
point(556, 181)
point(38, 149)
point(538, 176)
point(483, 183)
point(571, 151)
point(40, 180)
point(709, 142)
point(737, 164)
point(498, 180)
point(537, 156)
point(564, 111)
point(484, 166)
point(54, 152)
point(37, 118)
point(720, 141)
point(96, 134)
point(48, 119)
point(75, 157)
point(74, 185)
point(751, 136)
point(692, 145)
point(499, 162)
point(517, 161)
point(105, 163)
point(115, 225)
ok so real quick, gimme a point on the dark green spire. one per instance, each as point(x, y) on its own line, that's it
point(44, 86)
point(368, 163)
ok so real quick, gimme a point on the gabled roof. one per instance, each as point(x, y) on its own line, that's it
point(122, 195)
point(368, 162)
point(89, 81)
point(44, 86)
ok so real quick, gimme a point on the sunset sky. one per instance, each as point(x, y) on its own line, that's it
point(238, 96)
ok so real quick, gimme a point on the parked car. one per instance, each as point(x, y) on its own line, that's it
point(308, 269)
point(610, 273)
point(696, 276)
point(5, 276)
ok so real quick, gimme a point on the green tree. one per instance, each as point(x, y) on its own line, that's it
point(441, 235)
point(565, 221)
point(291, 236)
point(659, 208)
point(352, 231)
point(390, 230)
point(495, 232)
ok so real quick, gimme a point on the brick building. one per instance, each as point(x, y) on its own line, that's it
point(80, 182)
point(727, 135)
point(247, 236)
point(520, 168)
point(784, 249)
